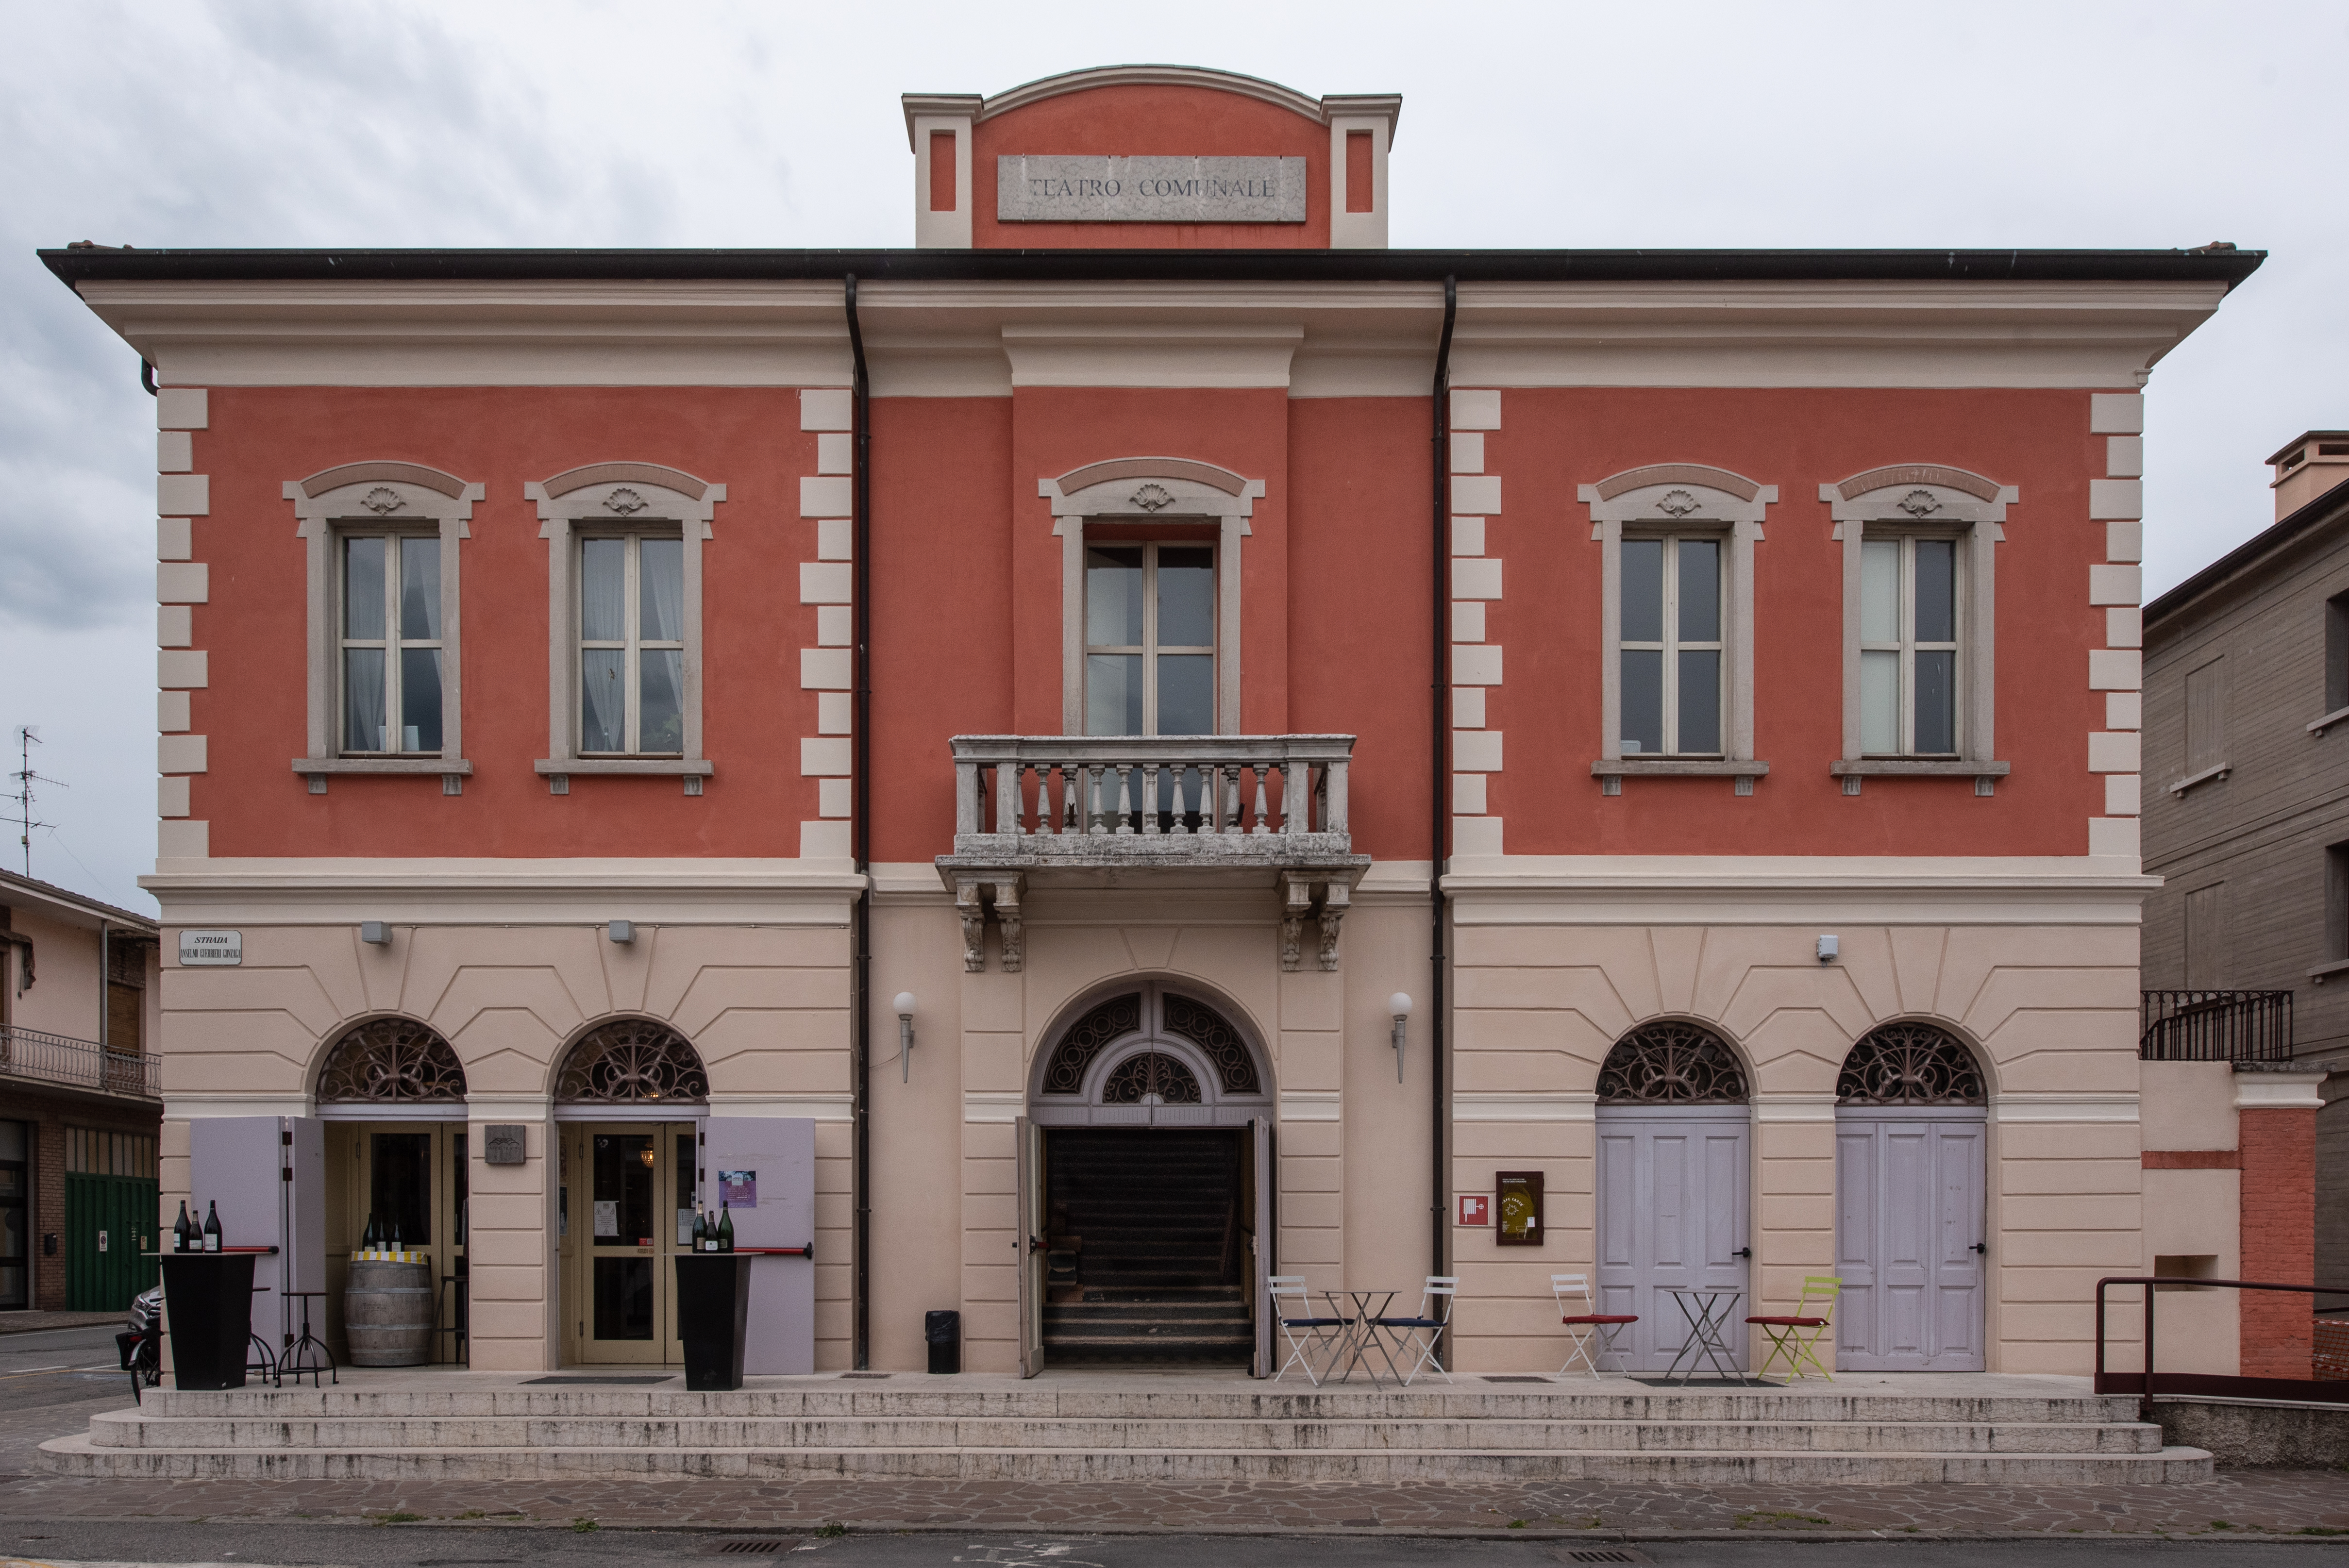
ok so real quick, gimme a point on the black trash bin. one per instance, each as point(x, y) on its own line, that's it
point(943, 1331)
point(713, 1316)
point(208, 1303)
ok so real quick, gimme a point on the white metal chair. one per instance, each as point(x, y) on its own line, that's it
point(1591, 1334)
point(1306, 1332)
point(1425, 1331)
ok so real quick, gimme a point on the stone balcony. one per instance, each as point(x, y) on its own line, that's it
point(1129, 812)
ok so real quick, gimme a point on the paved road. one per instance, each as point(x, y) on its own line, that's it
point(439, 1546)
point(53, 1381)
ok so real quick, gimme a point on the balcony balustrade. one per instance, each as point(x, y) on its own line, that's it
point(1099, 807)
point(2215, 1026)
point(78, 1063)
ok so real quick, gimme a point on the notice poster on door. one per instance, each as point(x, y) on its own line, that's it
point(739, 1189)
point(607, 1218)
point(1520, 1192)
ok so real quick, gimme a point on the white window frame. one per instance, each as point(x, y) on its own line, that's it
point(1906, 646)
point(1151, 491)
point(1670, 645)
point(379, 497)
point(1150, 647)
point(1928, 500)
point(632, 643)
point(391, 644)
point(608, 499)
point(1683, 500)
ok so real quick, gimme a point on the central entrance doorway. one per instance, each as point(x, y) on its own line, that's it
point(1146, 1189)
point(629, 1193)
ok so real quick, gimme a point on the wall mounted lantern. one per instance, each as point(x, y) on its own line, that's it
point(1399, 1005)
point(905, 1036)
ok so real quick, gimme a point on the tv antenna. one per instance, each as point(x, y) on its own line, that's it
point(28, 737)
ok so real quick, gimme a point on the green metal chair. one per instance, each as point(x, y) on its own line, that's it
point(1794, 1337)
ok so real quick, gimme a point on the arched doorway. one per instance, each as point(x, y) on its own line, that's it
point(628, 1094)
point(1912, 1174)
point(391, 1094)
point(1673, 1179)
point(1148, 1120)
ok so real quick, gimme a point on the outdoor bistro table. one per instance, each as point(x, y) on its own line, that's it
point(1360, 1337)
point(1707, 1310)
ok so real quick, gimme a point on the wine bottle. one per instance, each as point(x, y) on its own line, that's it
point(181, 1229)
point(701, 1229)
point(366, 1237)
point(212, 1227)
point(725, 1227)
point(395, 1236)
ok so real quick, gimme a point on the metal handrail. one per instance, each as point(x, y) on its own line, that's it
point(2203, 1383)
point(79, 1064)
point(2215, 1026)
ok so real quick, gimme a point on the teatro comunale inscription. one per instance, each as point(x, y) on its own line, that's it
point(1033, 189)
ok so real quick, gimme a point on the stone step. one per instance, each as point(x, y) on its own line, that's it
point(128, 1430)
point(1467, 1398)
point(77, 1455)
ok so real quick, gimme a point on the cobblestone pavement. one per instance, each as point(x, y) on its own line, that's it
point(2241, 1503)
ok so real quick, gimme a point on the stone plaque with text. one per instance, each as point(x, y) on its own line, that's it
point(1033, 189)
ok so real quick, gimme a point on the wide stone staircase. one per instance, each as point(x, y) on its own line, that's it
point(1108, 1428)
point(1157, 1280)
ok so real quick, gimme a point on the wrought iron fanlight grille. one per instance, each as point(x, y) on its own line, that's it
point(392, 1061)
point(1212, 1033)
point(1672, 1064)
point(1086, 1038)
point(1152, 1077)
point(1910, 1064)
point(631, 1062)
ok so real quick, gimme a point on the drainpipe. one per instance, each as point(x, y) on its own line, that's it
point(1439, 587)
point(859, 920)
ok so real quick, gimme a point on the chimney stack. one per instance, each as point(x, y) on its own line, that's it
point(2309, 465)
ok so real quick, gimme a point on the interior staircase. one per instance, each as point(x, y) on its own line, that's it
point(1157, 1275)
point(1129, 1427)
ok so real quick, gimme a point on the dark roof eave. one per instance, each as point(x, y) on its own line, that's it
point(2228, 267)
point(2322, 509)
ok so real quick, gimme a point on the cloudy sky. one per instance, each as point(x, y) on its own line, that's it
point(269, 122)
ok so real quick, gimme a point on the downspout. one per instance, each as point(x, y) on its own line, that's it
point(859, 919)
point(1440, 589)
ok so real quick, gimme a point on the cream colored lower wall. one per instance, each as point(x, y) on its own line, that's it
point(1547, 983)
point(754, 972)
point(2189, 1107)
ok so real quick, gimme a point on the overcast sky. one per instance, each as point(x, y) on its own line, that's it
point(1558, 124)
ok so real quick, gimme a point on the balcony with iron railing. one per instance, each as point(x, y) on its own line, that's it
point(31, 1056)
point(1131, 810)
point(2214, 1027)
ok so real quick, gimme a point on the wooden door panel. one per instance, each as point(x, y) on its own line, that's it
point(1909, 1208)
point(1671, 1212)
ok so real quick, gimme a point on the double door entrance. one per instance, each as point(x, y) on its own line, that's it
point(1910, 1244)
point(1672, 1216)
point(625, 1209)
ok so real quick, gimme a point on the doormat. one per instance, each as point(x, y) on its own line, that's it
point(1490, 1377)
point(606, 1382)
point(1705, 1383)
point(865, 1374)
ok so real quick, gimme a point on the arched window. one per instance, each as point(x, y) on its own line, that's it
point(392, 1061)
point(632, 1061)
point(1909, 1064)
point(1671, 1063)
point(1135, 1052)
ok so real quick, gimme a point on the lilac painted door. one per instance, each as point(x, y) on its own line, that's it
point(1909, 1212)
point(1672, 1211)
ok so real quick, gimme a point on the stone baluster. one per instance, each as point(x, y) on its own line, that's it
point(1149, 800)
point(1091, 773)
point(1263, 814)
point(1125, 779)
point(1182, 802)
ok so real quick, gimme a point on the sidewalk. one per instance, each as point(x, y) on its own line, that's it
point(34, 1322)
point(2238, 1504)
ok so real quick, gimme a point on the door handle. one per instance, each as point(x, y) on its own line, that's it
point(1978, 1247)
point(1743, 1252)
point(1034, 1246)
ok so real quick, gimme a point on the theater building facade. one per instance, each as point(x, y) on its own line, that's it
point(1152, 739)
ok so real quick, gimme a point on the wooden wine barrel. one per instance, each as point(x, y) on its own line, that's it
point(387, 1314)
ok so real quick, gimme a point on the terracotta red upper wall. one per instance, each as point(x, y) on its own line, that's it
point(1138, 122)
point(753, 711)
point(1554, 439)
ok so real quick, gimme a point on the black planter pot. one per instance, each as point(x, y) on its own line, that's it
point(208, 1306)
point(713, 1316)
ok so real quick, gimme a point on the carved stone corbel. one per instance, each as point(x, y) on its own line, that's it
point(970, 905)
point(1296, 903)
point(1335, 900)
point(1007, 916)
